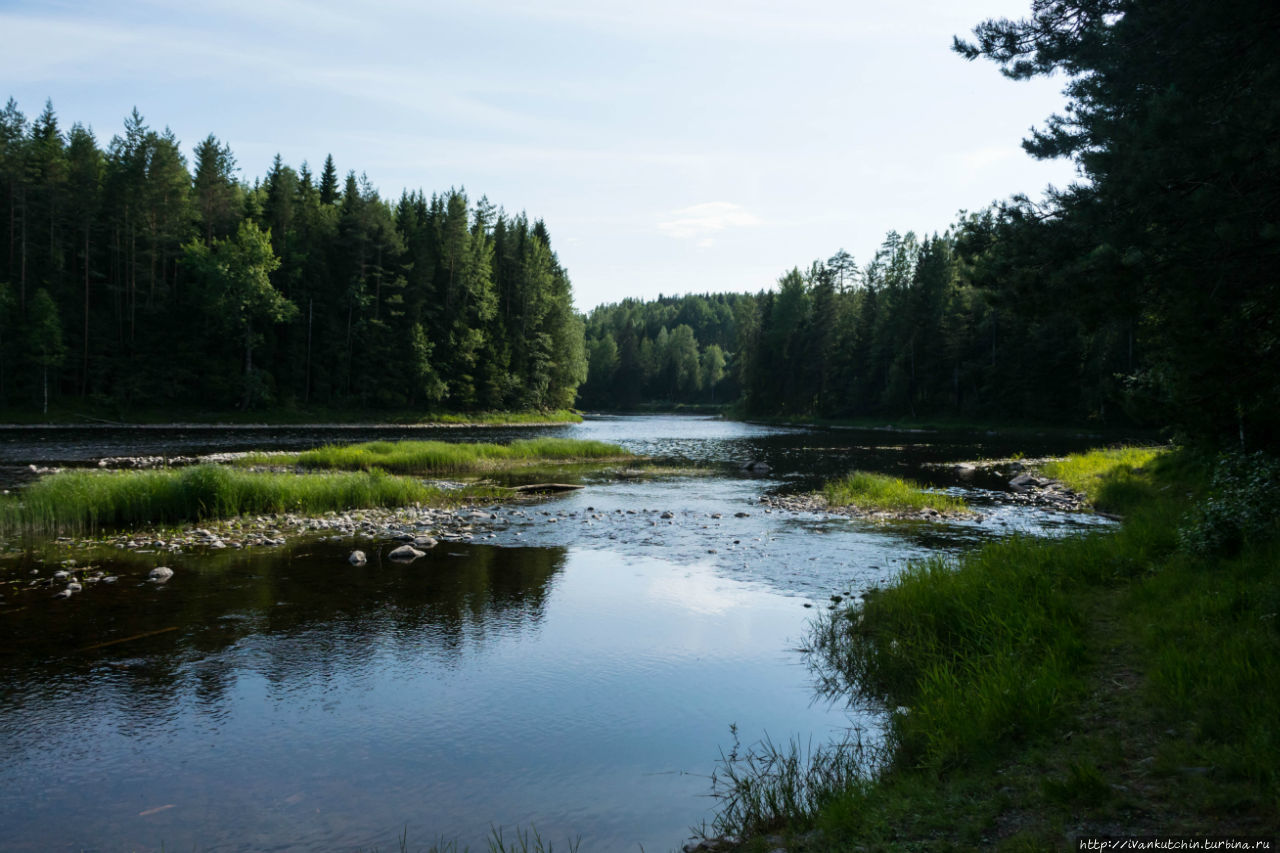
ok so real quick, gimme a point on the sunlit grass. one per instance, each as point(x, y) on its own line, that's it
point(878, 492)
point(1089, 473)
point(80, 501)
point(443, 457)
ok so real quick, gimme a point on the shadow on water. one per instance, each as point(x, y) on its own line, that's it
point(455, 594)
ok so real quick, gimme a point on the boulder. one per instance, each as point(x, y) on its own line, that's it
point(357, 558)
point(160, 574)
point(406, 554)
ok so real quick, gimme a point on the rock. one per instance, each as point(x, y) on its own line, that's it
point(406, 554)
point(74, 587)
point(357, 558)
point(61, 576)
point(66, 593)
point(741, 514)
point(160, 574)
point(755, 467)
point(425, 542)
point(668, 514)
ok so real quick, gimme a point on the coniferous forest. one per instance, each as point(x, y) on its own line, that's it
point(132, 279)
point(1145, 293)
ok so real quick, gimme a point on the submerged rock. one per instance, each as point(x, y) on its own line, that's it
point(357, 558)
point(160, 574)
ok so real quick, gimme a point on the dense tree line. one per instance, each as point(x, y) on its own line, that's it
point(909, 333)
point(672, 349)
point(129, 279)
point(1146, 292)
point(1174, 236)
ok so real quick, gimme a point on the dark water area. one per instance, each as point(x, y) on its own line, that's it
point(577, 671)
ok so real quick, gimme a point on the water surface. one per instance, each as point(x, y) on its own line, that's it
point(577, 672)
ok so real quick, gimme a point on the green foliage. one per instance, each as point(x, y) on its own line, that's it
point(1103, 475)
point(672, 350)
point(1006, 665)
point(1172, 247)
point(442, 457)
point(1242, 506)
point(879, 492)
point(292, 291)
point(87, 501)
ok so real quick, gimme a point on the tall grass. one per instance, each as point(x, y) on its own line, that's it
point(442, 457)
point(1107, 475)
point(994, 659)
point(769, 787)
point(878, 492)
point(86, 501)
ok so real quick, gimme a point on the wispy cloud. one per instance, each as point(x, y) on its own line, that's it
point(703, 220)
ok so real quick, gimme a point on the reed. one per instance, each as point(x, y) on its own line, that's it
point(87, 501)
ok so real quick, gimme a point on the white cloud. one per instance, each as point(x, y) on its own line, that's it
point(702, 220)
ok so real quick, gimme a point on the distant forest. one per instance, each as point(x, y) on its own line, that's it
point(1147, 292)
point(911, 333)
point(129, 280)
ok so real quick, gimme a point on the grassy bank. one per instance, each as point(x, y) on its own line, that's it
point(287, 416)
point(444, 457)
point(880, 493)
point(89, 501)
point(1121, 683)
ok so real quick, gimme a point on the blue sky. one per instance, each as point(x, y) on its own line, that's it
point(670, 146)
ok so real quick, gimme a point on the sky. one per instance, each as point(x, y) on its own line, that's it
point(671, 146)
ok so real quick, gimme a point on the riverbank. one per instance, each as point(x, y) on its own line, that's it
point(1113, 684)
point(308, 417)
point(908, 425)
point(330, 478)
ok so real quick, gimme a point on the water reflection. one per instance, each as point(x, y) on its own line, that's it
point(324, 707)
point(578, 675)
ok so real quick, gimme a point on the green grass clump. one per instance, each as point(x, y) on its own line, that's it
point(443, 457)
point(878, 492)
point(1113, 679)
point(1108, 477)
point(80, 501)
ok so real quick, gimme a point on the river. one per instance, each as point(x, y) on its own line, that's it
point(577, 672)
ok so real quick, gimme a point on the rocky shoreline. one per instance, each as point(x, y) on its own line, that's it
point(814, 502)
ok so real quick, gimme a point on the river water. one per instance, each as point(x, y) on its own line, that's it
point(578, 672)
